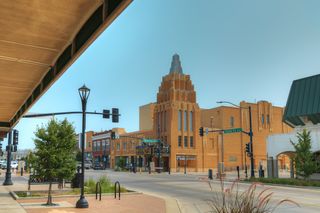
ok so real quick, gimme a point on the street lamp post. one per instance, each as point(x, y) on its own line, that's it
point(8, 180)
point(84, 95)
point(250, 133)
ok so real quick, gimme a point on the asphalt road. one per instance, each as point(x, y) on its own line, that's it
point(192, 191)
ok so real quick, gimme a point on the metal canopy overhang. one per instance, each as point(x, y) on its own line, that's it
point(39, 40)
point(303, 104)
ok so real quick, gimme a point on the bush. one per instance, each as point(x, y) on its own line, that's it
point(106, 186)
point(286, 181)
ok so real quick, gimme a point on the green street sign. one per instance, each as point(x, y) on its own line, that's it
point(228, 131)
point(150, 140)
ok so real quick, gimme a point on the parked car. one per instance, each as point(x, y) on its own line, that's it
point(14, 165)
point(4, 165)
point(97, 165)
point(87, 164)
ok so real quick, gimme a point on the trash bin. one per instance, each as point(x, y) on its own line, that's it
point(210, 174)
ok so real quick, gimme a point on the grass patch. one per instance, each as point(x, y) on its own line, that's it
point(106, 186)
point(286, 181)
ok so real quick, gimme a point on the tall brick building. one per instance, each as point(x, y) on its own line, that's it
point(176, 117)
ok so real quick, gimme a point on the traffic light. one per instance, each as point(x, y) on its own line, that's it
point(0, 146)
point(106, 114)
point(113, 135)
point(15, 148)
point(201, 131)
point(15, 137)
point(1, 153)
point(7, 148)
point(248, 148)
point(115, 115)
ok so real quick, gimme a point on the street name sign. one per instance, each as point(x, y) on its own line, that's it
point(228, 131)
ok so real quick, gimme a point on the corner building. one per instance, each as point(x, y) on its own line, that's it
point(177, 119)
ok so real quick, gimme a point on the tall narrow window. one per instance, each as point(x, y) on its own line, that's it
point(179, 141)
point(231, 121)
point(191, 121)
point(191, 141)
point(125, 146)
point(268, 119)
point(118, 146)
point(185, 121)
point(159, 123)
point(180, 120)
point(165, 121)
point(185, 141)
point(262, 118)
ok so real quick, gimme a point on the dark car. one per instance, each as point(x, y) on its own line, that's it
point(97, 166)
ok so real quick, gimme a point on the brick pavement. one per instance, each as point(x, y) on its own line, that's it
point(134, 203)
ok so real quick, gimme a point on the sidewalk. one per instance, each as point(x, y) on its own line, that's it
point(7, 203)
point(133, 203)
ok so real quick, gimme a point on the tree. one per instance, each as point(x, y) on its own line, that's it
point(304, 158)
point(55, 154)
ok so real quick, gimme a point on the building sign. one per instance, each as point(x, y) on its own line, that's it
point(188, 157)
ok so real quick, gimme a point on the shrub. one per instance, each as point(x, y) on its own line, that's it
point(106, 186)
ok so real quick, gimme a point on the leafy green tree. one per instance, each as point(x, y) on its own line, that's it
point(55, 154)
point(304, 158)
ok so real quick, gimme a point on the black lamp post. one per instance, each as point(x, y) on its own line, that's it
point(8, 180)
point(84, 95)
point(250, 133)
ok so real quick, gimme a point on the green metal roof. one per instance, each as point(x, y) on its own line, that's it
point(303, 101)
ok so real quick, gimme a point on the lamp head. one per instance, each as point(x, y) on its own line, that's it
point(84, 93)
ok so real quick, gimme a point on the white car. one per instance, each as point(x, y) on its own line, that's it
point(14, 165)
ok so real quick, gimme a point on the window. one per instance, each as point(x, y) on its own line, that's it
point(165, 121)
point(185, 123)
point(159, 123)
point(191, 121)
point(231, 121)
point(104, 145)
point(268, 119)
point(179, 141)
point(98, 145)
point(89, 144)
point(185, 141)
point(179, 120)
point(125, 146)
point(262, 118)
point(191, 141)
point(94, 146)
point(118, 146)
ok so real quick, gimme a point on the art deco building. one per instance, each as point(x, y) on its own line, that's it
point(175, 119)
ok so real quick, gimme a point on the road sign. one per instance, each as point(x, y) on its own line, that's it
point(150, 140)
point(228, 131)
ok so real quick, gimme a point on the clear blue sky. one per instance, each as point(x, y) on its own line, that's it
point(233, 50)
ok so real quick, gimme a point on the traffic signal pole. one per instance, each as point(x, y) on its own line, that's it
point(251, 145)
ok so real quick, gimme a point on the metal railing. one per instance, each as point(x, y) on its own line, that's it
point(115, 189)
point(98, 187)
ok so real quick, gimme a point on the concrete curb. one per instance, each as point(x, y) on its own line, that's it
point(16, 197)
